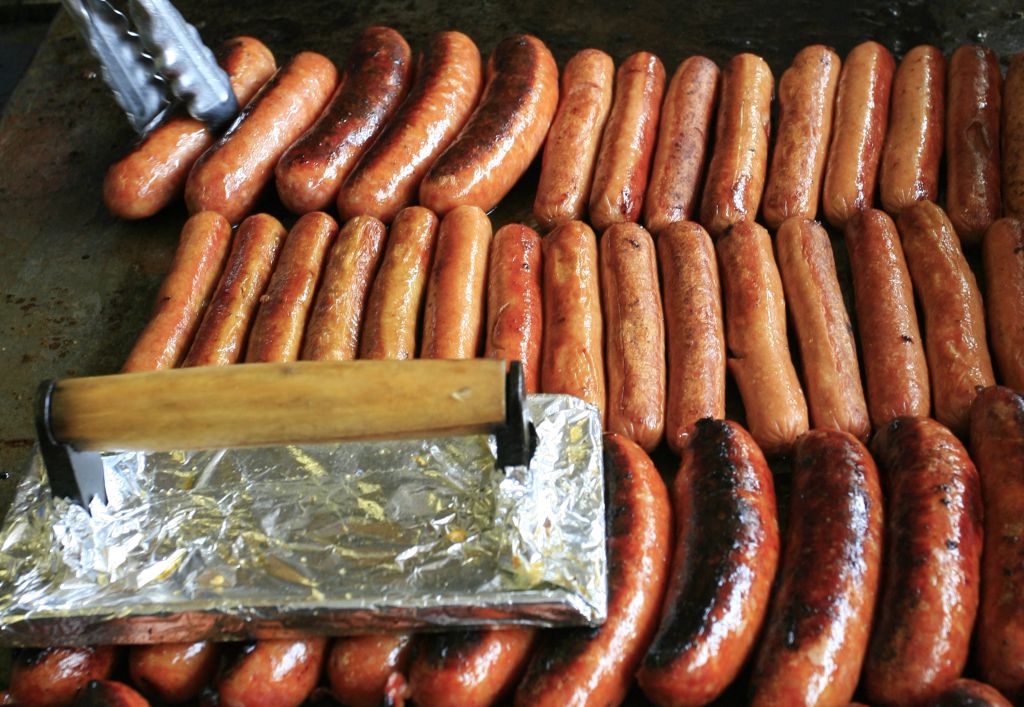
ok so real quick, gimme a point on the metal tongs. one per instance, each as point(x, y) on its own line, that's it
point(160, 59)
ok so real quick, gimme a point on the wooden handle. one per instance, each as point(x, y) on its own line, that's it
point(257, 404)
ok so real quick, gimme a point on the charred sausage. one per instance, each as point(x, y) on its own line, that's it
point(51, 677)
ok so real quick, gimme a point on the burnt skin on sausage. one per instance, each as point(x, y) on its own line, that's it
point(51, 677)
point(970, 693)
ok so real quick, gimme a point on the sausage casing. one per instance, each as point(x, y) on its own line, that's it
point(51, 677)
point(1002, 253)
point(359, 667)
point(109, 693)
point(970, 693)
point(174, 672)
point(1013, 138)
point(272, 672)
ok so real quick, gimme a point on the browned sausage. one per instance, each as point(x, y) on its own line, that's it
point(693, 324)
point(277, 673)
point(758, 350)
point(572, 361)
point(359, 668)
point(727, 549)
point(827, 349)
point(276, 333)
point(858, 133)
point(454, 314)
point(683, 137)
point(109, 693)
point(504, 133)
point(388, 176)
point(970, 693)
point(585, 666)
point(807, 95)
point(890, 339)
point(1013, 138)
point(153, 174)
point(51, 677)
point(817, 628)
point(220, 339)
point(1002, 252)
point(735, 180)
point(929, 596)
point(567, 167)
point(174, 672)
point(954, 319)
point(231, 175)
point(376, 79)
point(974, 98)
point(627, 146)
point(514, 314)
point(635, 341)
point(393, 310)
point(188, 286)
point(997, 447)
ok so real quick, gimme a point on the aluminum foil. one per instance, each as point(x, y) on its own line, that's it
point(331, 539)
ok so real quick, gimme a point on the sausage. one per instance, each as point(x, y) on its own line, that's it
point(827, 349)
point(1013, 138)
point(454, 314)
point(376, 79)
point(726, 553)
point(359, 668)
point(973, 197)
point(393, 310)
point(188, 286)
point(276, 333)
point(174, 672)
point(504, 133)
point(230, 176)
point(514, 315)
point(51, 677)
point(758, 350)
point(220, 339)
point(682, 144)
point(954, 319)
point(807, 94)
point(627, 146)
point(109, 693)
point(970, 693)
point(997, 447)
point(583, 666)
point(696, 336)
point(572, 358)
point(567, 166)
point(735, 179)
point(858, 132)
point(912, 153)
point(817, 628)
point(635, 344)
point(387, 177)
point(1002, 253)
point(332, 333)
point(153, 174)
point(468, 668)
point(273, 672)
point(929, 596)
point(890, 339)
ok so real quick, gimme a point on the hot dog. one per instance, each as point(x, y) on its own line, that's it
point(504, 133)
point(970, 693)
point(624, 159)
point(273, 672)
point(1013, 138)
point(359, 668)
point(109, 693)
point(174, 672)
point(51, 677)
point(1002, 253)
point(309, 174)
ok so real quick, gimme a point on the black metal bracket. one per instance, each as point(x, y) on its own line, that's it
point(517, 438)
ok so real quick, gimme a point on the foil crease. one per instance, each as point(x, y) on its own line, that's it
point(330, 539)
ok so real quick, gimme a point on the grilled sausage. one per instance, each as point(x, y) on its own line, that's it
point(635, 344)
point(393, 310)
point(929, 595)
point(1013, 138)
point(514, 315)
point(273, 672)
point(309, 174)
point(503, 135)
point(174, 672)
point(725, 558)
point(624, 160)
point(954, 320)
point(572, 360)
point(1002, 253)
point(51, 677)
point(220, 339)
point(387, 177)
point(198, 262)
point(334, 326)
point(231, 175)
point(827, 349)
point(807, 93)
point(973, 197)
point(970, 693)
point(359, 668)
point(861, 118)
point(732, 191)
point(153, 174)
point(583, 666)
point(109, 693)
point(567, 166)
point(758, 351)
point(454, 314)
point(817, 628)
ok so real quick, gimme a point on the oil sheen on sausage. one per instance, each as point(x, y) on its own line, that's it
point(1002, 254)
